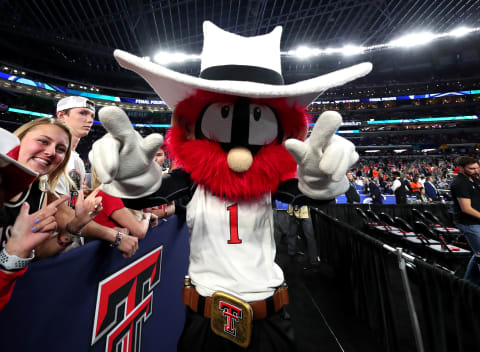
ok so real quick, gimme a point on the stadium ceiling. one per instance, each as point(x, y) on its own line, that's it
point(55, 36)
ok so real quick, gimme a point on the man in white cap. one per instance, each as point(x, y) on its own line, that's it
point(78, 113)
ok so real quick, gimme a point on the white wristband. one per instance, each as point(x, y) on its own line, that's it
point(11, 262)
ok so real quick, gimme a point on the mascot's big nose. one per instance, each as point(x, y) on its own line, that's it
point(239, 159)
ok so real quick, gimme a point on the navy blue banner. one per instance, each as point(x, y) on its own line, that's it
point(92, 299)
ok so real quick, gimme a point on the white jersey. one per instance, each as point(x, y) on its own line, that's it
point(232, 248)
point(76, 172)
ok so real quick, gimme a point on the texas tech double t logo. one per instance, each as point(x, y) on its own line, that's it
point(232, 314)
point(124, 303)
point(231, 318)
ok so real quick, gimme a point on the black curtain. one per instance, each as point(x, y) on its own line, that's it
point(366, 271)
point(447, 307)
point(451, 310)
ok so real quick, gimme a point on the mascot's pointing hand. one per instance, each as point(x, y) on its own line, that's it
point(123, 159)
point(323, 159)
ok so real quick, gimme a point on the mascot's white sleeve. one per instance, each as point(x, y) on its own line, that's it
point(323, 159)
point(123, 159)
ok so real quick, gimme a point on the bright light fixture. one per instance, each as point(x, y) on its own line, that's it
point(349, 50)
point(166, 58)
point(460, 32)
point(398, 151)
point(372, 151)
point(303, 52)
point(413, 40)
point(331, 50)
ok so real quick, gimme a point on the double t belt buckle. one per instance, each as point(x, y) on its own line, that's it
point(231, 318)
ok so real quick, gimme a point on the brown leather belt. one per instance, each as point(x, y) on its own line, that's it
point(261, 309)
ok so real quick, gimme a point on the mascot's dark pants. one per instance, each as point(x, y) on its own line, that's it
point(274, 333)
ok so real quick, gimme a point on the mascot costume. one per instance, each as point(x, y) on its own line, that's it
point(238, 137)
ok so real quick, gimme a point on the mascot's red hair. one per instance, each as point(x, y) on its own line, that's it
point(204, 157)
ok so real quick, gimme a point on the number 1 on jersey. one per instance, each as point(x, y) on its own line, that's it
point(233, 211)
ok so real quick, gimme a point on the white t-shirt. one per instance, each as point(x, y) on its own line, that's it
point(232, 248)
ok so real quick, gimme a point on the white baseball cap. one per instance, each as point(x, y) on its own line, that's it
point(15, 176)
point(75, 101)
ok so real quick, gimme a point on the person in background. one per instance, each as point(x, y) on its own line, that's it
point(430, 189)
point(300, 215)
point(163, 210)
point(374, 191)
point(422, 196)
point(415, 185)
point(78, 113)
point(352, 194)
point(387, 188)
point(359, 181)
point(443, 183)
point(399, 189)
point(160, 159)
point(465, 190)
point(421, 179)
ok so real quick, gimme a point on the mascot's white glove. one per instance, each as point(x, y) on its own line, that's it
point(123, 159)
point(323, 159)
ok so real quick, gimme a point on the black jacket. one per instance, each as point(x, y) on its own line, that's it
point(352, 194)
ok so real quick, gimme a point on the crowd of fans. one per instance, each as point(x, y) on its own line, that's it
point(428, 180)
point(58, 209)
point(415, 139)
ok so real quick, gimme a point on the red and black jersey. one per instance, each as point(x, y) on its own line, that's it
point(10, 210)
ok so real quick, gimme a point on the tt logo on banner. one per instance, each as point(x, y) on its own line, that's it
point(125, 302)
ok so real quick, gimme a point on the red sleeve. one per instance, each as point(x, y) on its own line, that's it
point(7, 281)
point(109, 203)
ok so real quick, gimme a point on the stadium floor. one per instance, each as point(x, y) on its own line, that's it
point(320, 318)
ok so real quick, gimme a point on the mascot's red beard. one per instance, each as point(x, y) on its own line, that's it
point(206, 161)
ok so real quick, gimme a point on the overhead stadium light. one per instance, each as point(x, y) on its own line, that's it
point(410, 40)
point(304, 52)
point(460, 31)
point(332, 50)
point(413, 40)
point(166, 58)
point(349, 50)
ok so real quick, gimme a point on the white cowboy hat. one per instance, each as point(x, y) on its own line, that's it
point(236, 65)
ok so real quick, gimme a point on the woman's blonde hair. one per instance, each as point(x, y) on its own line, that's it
point(60, 170)
point(95, 181)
